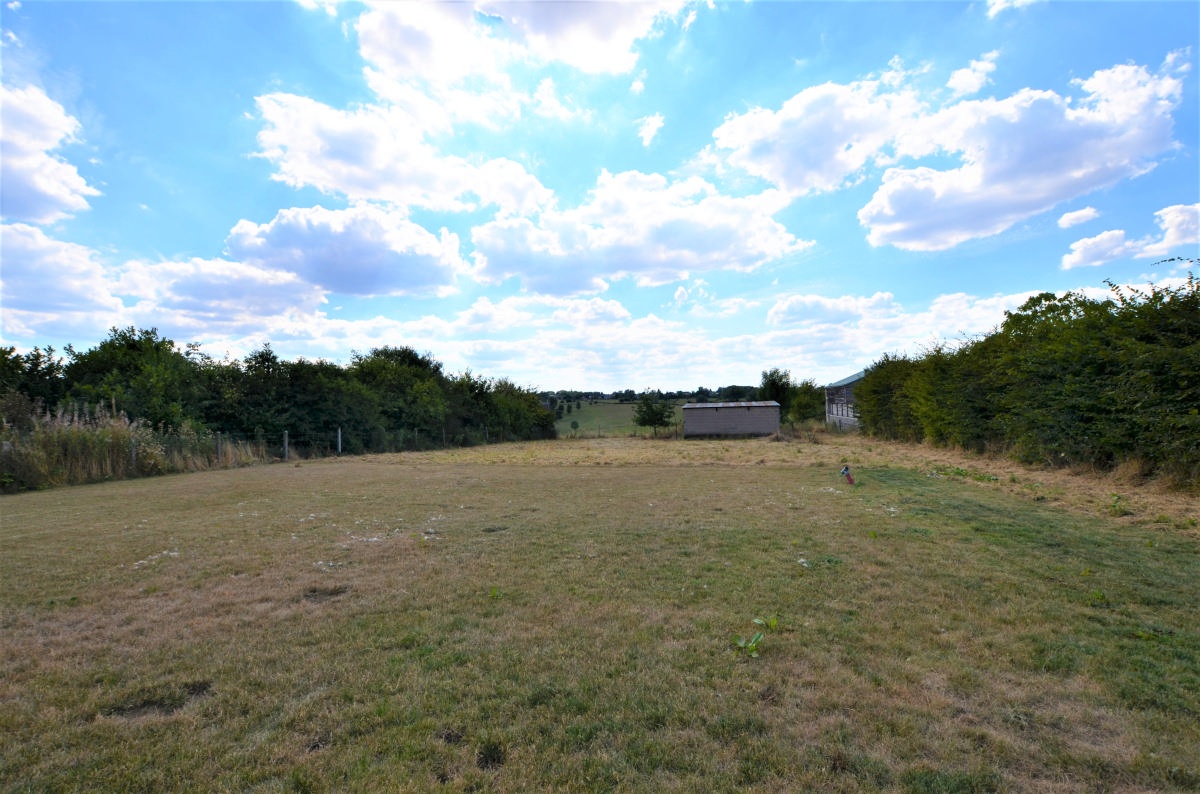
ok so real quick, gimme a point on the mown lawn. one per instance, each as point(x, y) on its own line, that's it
point(564, 617)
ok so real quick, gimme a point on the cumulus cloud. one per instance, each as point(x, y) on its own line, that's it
point(1021, 156)
point(635, 225)
point(820, 138)
point(1179, 226)
point(79, 282)
point(216, 291)
point(973, 78)
point(79, 296)
point(443, 43)
point(596, 38)
point(969, 169)
point(1069, 219)
point(862, 328)
point(376, 153)
point(464, 55)
point(328, 6)
point(39, 185)
point(363, 250)
point(548, 104)
point(794, 310)
point(648, 127)
point(996, 7)
point(1093, 251)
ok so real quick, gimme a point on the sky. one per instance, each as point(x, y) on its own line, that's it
point(596, 196)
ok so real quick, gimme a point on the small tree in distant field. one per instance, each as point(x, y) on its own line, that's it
point(653, 411)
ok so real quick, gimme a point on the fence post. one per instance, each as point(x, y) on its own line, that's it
point(133, 455)
point(285, 446)
point(339, 441)
point(219, 457)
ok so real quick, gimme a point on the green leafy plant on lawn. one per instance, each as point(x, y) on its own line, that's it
point(748, 646)
point(768, 622)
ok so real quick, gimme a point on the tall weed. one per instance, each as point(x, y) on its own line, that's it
point(79, 444)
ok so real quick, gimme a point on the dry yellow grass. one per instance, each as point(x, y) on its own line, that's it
point(560, 616)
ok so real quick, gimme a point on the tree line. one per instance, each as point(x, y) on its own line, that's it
point(390, 399)
point(1064, 380)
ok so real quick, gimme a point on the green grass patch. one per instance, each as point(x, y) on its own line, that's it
point(442, 622)
point(601, 418)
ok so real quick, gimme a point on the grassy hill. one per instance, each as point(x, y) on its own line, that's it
point(599, 419)
point(581, 615)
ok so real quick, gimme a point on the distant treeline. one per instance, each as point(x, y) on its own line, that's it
point(1065, 381)
point(390, 399)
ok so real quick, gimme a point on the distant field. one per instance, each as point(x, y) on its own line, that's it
point(580, 615)
point(607, 418)
point(602, 418)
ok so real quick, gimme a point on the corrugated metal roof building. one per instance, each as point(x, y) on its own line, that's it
point(731, 419)
point(839, 402)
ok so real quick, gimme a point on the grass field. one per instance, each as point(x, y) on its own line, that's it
point(566, 616)
point(603, 418)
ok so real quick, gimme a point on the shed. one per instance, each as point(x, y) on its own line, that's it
point(731, 419)
point(839, 402)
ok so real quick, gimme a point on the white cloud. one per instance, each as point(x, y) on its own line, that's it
point(215, 290)
point(362, 250)
point(972, 79)
point(699, 302)
point(464, 56)
point(1018, 156)
point(1179, 224)
point(437, 43)
point(1093, 251)
point(635, 225)
point(1069, 219)
point(547, 103)
point(378, 153)
point(39, 186)
point(1021, 156)
point(996, 7)
point(52, 287)
point(793, 310)
point(648, 127)
point(820, 138)
point(859, 329)
point(596, 38)
point(328, 6)
point(724, 307)
point(230, 307)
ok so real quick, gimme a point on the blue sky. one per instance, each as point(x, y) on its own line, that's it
point(588, 195)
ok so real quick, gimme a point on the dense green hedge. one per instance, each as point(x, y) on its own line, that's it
point(1065, 380)
point(137, 382)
